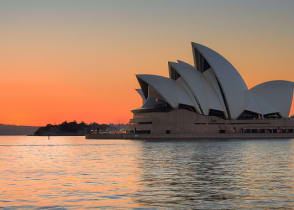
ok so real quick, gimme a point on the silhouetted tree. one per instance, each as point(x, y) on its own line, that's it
point(70, 128)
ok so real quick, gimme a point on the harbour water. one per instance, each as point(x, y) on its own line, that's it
point(74, 173)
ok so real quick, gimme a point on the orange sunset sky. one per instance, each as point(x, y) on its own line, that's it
point(77, 60)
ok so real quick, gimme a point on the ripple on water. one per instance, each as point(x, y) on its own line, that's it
point(71, 172)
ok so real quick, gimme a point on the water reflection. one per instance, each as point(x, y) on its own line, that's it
point(67, 172)
point(217, 174)
point(70, 172)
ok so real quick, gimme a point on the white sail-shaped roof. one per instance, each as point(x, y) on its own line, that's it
point(278, 94)
point(214, 87)
point(168, 89)
point(202, 91)
point(256, 104)
point(232, 85)
point(140, 92)
point(184, 86)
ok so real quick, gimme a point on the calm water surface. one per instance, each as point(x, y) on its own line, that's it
point(71, 172)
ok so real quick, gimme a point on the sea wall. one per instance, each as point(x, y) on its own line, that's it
point(192, 136)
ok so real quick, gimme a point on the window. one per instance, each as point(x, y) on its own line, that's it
point(248, 115)
point(174, 74)
point(188, 107)
point(142, 131)
point(217, 113)
point(222, 131)
point(143, 123)
point(201, 62)
point(275, 115)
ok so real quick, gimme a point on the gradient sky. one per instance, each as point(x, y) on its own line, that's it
point(77, 59)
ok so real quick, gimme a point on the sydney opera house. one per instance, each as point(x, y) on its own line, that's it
point(210, 98)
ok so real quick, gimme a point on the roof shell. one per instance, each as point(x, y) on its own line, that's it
point(168, 89)
point(140, 92)
point(230, 81)
point(256, 104)
point(182, 83)
point(278, 94)
point(202, 91)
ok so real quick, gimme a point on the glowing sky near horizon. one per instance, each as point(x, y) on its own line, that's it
point(77, 60)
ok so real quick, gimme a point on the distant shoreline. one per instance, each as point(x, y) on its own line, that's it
point(17, 130)
point(73, 129)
